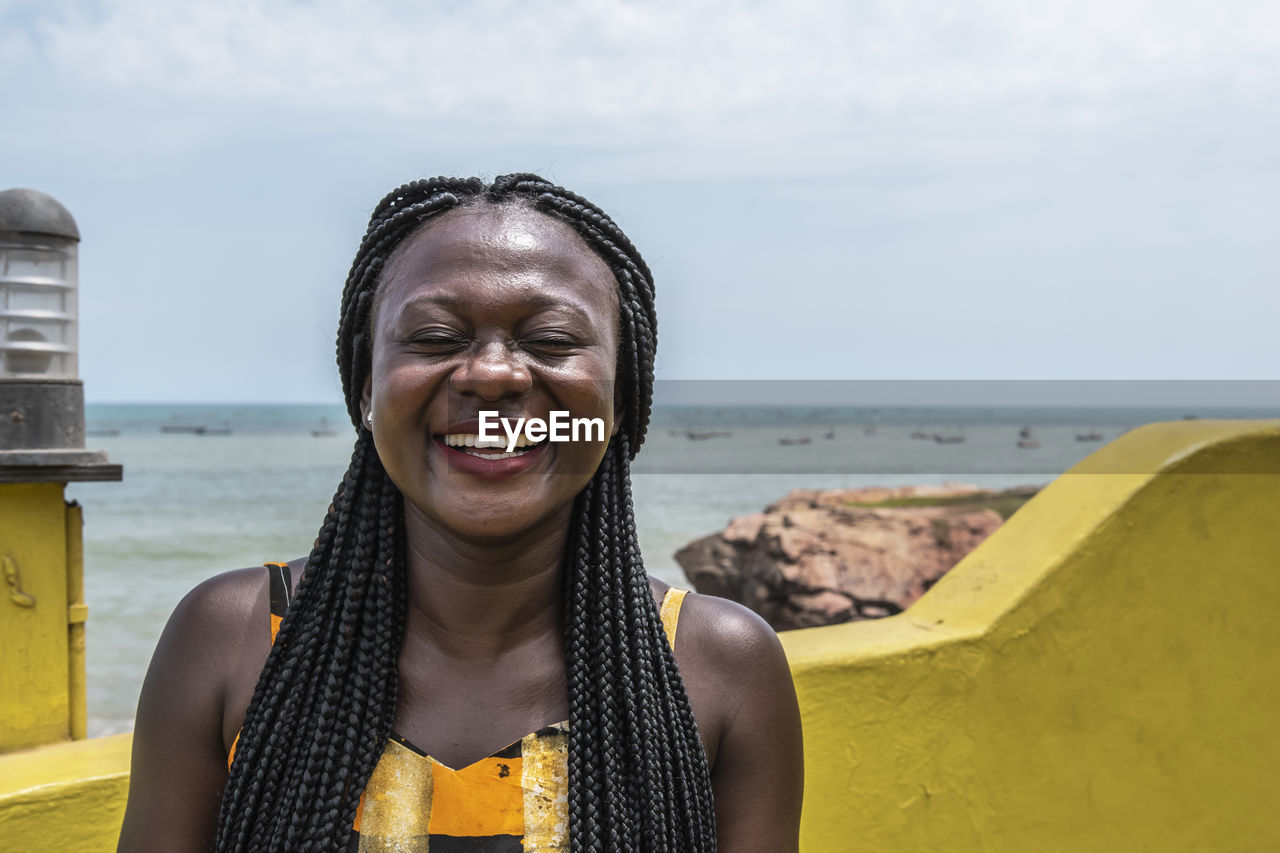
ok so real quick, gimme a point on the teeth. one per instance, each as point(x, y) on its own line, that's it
point(503, 455)
point(463, 439)
point(485, 448)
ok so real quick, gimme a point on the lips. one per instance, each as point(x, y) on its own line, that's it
point(488, 459)
point(493, 465)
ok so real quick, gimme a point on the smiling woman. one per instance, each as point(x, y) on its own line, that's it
point(473, 658)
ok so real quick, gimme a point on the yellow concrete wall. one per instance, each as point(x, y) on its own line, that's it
point(1103, 674)
point(67, 797)
point(34, 675)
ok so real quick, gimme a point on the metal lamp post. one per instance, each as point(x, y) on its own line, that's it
point(42, 610)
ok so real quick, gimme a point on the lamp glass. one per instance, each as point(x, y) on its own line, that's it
point(38, 307)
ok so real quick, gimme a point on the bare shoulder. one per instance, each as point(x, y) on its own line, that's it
point(200, 651)
point(727, 648)
point(744, 701)
point(220, 623)
point(204, 631)
point(715, 630)
point(728, 655)
point(728, 632)
point(179, 748)
point(216, 604)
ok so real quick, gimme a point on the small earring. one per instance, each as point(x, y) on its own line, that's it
point(369, 418)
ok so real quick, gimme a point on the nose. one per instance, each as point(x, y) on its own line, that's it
point(491, 371)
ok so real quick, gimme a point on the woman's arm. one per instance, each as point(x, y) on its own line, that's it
point(739, 681)
point(179, 757)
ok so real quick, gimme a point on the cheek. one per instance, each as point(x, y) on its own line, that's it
point(402, 379)
point(592, 396)
point(594, 391)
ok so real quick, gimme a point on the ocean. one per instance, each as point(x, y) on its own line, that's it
point(209, 488)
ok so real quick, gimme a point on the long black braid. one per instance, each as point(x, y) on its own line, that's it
point(325, 702)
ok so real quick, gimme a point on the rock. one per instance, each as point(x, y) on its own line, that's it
point(744, 528)
point(824, 557)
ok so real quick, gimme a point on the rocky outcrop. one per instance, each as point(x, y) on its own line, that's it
point(823, 557)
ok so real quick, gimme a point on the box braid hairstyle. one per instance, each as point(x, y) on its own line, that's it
point(324, 704)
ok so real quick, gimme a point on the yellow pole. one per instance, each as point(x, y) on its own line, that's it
point(33, 615)
point(77, 613)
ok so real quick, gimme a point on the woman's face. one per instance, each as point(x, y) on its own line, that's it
point(491, 309)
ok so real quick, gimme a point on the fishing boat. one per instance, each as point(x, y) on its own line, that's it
point(703, 435)
point(956, 437)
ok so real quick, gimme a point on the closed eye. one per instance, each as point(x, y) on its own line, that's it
point(438, 343)
point(552, 345)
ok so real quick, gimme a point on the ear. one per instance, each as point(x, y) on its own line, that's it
point(366, 402)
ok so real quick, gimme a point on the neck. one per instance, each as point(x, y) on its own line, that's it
point(475, 599)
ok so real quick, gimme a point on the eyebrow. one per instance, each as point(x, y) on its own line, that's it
point(532, 300)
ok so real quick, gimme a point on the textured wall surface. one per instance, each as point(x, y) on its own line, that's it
point(1103, 673)
point(34, 676)
point(66, 797)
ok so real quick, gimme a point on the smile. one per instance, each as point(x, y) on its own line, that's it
point(490, 449)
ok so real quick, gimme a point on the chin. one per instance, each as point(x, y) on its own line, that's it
point(481, 514)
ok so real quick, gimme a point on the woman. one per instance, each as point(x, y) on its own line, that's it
point(468, 606)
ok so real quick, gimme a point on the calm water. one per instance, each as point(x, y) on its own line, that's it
point(194, 505)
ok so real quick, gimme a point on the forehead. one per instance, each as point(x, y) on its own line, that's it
point(491, 251)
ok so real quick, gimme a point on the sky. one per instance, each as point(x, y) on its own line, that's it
point(825, 190)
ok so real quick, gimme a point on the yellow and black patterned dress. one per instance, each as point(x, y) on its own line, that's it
point(514, 801)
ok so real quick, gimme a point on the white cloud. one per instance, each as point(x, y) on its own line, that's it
point(709, 73)
point(1073, 189)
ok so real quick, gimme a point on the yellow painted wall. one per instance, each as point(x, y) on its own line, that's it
point(67, 797)
point(1103, 674)
point(34, 703)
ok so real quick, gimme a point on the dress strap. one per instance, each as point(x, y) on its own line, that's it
point(280, 589)
point(671, 603)
point(280, 583)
